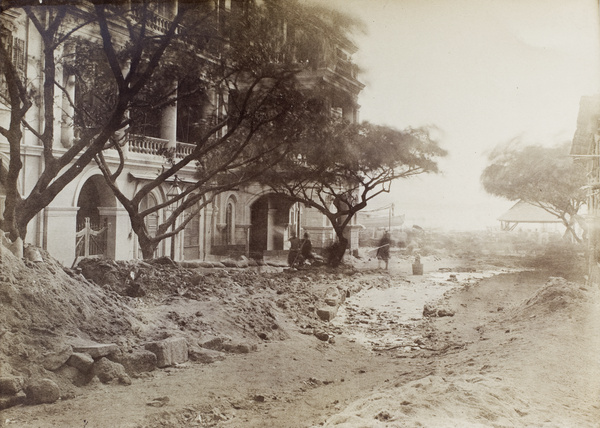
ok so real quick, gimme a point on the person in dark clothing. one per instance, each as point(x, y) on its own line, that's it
point(294, 254)
point(383, 250)
point(306, 249)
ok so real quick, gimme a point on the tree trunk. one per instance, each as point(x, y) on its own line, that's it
point(148, 248)
point(337, 250)
point(569, 230)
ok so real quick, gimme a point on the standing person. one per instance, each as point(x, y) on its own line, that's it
point(294, 254)
point(306, 249)
point(383, 250)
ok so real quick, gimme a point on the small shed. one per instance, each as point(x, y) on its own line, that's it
point(523, 212)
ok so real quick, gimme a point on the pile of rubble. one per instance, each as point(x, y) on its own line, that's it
point(108, 322)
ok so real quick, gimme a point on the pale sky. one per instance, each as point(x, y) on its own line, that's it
point(484, 71)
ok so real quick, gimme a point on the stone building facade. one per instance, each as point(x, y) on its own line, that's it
point(248, 221)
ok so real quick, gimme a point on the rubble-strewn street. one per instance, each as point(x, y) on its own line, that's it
point(136, 344)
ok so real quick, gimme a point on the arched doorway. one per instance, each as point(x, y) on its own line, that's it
point(270, 221)
point(93, 224)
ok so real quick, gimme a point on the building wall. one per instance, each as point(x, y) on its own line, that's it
point(55, 227)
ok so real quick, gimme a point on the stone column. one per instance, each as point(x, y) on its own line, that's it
point(119, 235)
point(168, 124)
point(67, 130)
point(59, 233)
point(271, 228)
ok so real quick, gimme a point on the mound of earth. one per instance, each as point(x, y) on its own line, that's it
point(46, 309)
point(42, 308)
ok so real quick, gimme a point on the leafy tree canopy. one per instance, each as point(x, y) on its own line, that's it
point(542, 176)
point(338, 167)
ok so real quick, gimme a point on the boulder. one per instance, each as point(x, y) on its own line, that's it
point(11, 385)
point(169, 351)
point(42, 391)
point(72, 374)
point(321, 335)
point(108, 372)
point(12, 400)
point(54, 360)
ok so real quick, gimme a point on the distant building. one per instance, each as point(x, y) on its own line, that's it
point(530, 216)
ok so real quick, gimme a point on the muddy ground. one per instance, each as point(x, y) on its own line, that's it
point(510, 341)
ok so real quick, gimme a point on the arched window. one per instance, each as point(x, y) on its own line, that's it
point(229, 222)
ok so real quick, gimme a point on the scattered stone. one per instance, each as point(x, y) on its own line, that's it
point(169, 351)
point(54, 360)
point(96, 350)
point(432, 311)
point(11, 385)
point(321, 335)
point(42, 391)
point(108, 371)
point(81, 361)
point(259, 398)
point(333, 296)
point(158, 402)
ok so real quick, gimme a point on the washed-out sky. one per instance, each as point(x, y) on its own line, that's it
point(484, 72)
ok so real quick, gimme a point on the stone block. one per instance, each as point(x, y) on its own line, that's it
point(240, 348)
point(327, 313)
point(82, 362)
point(10, 385)
point(169, 351)
point(138, 361)
point(205, 356)
point(96, 350)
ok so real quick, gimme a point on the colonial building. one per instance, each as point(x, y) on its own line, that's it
point(586, 149)
point(248, 220)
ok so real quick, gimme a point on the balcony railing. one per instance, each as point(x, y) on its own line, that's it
point(156, 146)
point(147, 145)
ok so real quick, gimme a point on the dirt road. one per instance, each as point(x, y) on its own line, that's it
point(518, 351)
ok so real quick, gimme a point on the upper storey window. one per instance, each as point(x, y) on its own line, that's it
point(165, 8)
point(15, 48)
